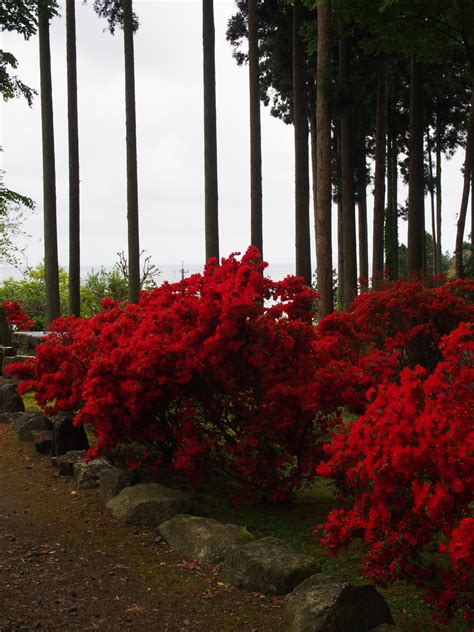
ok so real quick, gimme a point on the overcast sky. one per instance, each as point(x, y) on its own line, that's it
point(168, 62)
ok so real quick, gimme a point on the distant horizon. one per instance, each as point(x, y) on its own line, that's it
point(169, 271)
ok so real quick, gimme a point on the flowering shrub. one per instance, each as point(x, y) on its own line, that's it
point(386, 331)
point(405, 470)
point(213, 371)
point(17, 318)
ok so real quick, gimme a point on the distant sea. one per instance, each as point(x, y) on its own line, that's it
point(168, 272)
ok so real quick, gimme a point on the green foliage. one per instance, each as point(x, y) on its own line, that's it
point(97, 286)
point(30, 290)
point(20, 16)
point(112, 11)
point(12, 205)
point(30, 293)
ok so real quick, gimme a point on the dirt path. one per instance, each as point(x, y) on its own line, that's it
point(66, 564)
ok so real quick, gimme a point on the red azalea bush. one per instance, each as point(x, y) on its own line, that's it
point(215, 369)
point(17, 318)
point(399, 326)
point(405, 471)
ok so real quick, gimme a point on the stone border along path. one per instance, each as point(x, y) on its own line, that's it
point(314, 602)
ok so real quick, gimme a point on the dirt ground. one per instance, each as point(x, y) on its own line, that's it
point(66, 564)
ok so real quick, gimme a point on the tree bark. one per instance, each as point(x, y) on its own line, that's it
point(439, 200)
point(380, 170)
point(416, 189)
point(340, 216)
point(132, 171)
point(52, 306)
point(468, 164)
point(391, 219)
point(300, 119)
point(210, 132)
point(347, 183)
point(432, 201)
point(323, 115)
point(256, 229)
point(314, 163)
point(73, 144)
point(362, 217)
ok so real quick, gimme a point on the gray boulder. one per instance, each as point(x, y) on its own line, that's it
point(65, 462)
point(112, 480)
point(269, 566)
point(29, 423)
point(324, 604)
point(148, 504)
point(202, 539)
point(10, 399)
point(87, 474)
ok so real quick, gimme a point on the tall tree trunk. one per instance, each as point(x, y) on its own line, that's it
point(256, 228)
point(391, 219)
point(300, 119)
point(341, 272)
point(73, 138)
point(323, 115)
point(132, 175)
point(439, 199)
point(432, 200)
point(379, 183)
point(340, 216)
point(347, 183)
point(468, 164)
point(210, 131)
point(416, 188)
point(52, 307)
point(314, 162)
point(362, 215)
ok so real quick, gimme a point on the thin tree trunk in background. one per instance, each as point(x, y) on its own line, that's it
point(347, 182)
point(340, 216)
point(391, 219)
point(210, 132)
point(432, 201)
point(379, 182)
point(362, 216)
point(439, 199)
point(314, 163)
point(416, 189)
point(51, 271)
point(300, 119)
point(132, 172)
point(256, 229)
point(323, 117)
point(341, 279)
point(468, 164)
point(73, 144)
point(472, 218)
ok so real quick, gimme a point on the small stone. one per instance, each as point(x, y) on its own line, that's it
point(65, 462)
point(87, 474)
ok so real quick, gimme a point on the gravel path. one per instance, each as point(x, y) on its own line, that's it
point(65, 564)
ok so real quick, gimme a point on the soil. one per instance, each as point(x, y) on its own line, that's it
point(66, 564)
